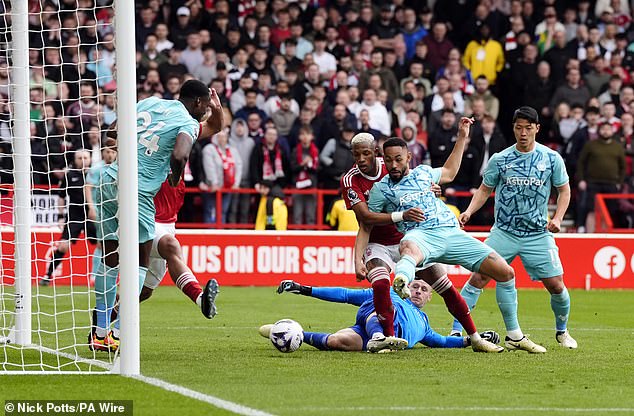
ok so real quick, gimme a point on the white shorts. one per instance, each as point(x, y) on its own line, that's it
point(388, 254)
point(158, 266)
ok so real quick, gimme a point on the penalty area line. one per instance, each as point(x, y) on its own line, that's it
point(212, 400)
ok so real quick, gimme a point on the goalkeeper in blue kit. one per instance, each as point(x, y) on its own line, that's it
point(523, 176)
point(410, 322)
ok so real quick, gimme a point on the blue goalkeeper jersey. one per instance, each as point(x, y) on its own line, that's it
point(413, 191)
point(158, 123)
point(522, 183)
point(410, 323)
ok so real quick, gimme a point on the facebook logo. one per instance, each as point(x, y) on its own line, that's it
point(609, 263)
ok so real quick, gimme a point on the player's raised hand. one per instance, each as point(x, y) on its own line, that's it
point(436, 189)
point(464, 127)
point(554, 225)
point(215, 121)
point(414, 214)
point(464, 218)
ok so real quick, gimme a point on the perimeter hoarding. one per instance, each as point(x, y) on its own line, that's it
point(250, 258)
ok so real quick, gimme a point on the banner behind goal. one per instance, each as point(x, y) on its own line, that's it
point(58, 95)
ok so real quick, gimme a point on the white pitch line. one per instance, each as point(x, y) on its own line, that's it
point(469, 408)
point(212, 400)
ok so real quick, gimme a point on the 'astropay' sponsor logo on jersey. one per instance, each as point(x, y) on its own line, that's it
point(411, 196)
point(517, 180)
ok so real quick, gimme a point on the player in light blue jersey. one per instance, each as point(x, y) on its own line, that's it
point(410, 322)
point(166, 131)
point(108, 156)
point(523, 176)
point(439, 238)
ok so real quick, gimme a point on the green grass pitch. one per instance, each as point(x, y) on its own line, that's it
point(227, 359)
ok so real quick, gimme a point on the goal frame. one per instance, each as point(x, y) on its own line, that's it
point(128, 363)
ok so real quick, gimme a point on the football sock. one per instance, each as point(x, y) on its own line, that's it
point(318, 340)
point(506, 296)
point(372, 326)
point(56, 259)
point(142, 273)
point(406, 266)
point(560, 305)
point(380, 279)
point(188, 284)
point(97, 264)
point(456, 305)
point(470, 295)
point(105, 295)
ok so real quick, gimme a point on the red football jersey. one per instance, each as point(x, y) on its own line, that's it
point(168, 201)
point(355, 188)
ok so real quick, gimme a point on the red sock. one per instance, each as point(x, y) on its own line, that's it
point(381, 296)
point(456, 304)
point(188, 284)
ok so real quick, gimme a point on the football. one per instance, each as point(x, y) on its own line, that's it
point(286, 335)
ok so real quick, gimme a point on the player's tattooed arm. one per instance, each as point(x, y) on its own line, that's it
point(452, 164)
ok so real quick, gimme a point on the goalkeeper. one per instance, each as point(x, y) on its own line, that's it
point(410, 322)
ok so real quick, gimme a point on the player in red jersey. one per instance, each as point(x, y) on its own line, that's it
point(376, 252)
point(167, 254)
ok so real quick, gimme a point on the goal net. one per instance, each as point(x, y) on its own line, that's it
point(57, 98)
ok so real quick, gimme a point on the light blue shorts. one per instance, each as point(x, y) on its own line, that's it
point(539, 253)
point(450, 245)
point(108, 207)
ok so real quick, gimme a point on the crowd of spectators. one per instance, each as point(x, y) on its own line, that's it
point(299, 78)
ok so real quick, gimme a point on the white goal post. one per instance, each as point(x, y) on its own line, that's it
point(44, 329)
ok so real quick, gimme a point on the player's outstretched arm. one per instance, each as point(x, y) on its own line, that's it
point(478, 200)
point(563, 200)
point(215, 120)
point(452, 165)
point(365, 216)
point(180, 154)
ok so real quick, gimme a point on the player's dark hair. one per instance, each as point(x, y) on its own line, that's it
point(394, 142)
point(193, 89)
point(526, 113)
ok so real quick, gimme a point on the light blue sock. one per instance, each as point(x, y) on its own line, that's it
point(470, 295)
point(97, 263)
point(506, 296)
point(406, 266)
point(142, 273)
point(105, 295)
point(561, 308)
point(373, 326)
point(318, 340)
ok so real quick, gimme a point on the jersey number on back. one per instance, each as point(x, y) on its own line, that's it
point(146, 135)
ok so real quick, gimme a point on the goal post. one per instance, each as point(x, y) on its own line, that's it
point(62, 92)
point(22, 171)
point(128, 189)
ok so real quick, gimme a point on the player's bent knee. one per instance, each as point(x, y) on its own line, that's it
point(376, 263)
point(169, 247)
